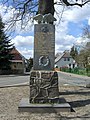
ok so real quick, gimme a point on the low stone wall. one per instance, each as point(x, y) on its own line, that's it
point(20, 71)
point(5, 72)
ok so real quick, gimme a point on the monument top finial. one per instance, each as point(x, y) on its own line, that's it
point(47, 18)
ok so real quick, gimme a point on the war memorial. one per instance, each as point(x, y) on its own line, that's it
point(44, 89)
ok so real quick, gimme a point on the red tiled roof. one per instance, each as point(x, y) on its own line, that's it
point(16, 54)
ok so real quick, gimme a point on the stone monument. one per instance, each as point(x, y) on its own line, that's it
point(43, 78)
point(44, 91)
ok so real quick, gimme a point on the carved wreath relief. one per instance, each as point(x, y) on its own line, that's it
point(44, 61)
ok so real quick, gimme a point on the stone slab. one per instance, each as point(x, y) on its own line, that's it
point(25, 106)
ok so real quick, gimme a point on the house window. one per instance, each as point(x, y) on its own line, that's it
point(64, 59)
point(68, 59)
point(69, 65)
point(14, 66)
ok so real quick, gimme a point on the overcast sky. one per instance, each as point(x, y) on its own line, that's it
point(68, 29)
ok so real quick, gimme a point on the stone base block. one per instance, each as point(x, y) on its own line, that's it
point(25, 106)
point(43, 86)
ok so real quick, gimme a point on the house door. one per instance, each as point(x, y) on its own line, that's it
point(73, 65)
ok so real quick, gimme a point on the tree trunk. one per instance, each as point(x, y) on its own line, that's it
point(46, 6)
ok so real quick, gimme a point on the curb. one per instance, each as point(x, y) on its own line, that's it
point(74, 75)
point(15, 75)
point(1, 76)
point(15, 85)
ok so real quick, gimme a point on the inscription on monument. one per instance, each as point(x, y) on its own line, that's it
point(44, 46)
point(43, 42)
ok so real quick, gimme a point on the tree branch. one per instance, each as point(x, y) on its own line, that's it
point(25, 4)
point(70, 4)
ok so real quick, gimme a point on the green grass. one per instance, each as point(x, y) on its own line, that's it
point(77, 71)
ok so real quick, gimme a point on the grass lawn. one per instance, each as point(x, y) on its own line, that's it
point(77, 71)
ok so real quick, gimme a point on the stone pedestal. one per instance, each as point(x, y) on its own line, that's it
point(44, 87)
point(26, 106)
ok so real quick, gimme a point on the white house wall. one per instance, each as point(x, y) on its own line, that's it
point(62, 63)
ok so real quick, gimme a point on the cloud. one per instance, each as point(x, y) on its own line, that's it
point(77, 14)
point(8, 14)
point(64, 43)
point(26, 52)
point(26, 41)
point(24, 45)
point(64, 40)
point(89, 21)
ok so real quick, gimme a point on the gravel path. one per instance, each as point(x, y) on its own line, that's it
point(78, 98)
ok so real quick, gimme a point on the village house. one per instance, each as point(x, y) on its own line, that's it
point(65, 60)
point(18, 62)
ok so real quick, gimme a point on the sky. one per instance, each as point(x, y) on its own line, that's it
point(68, 29)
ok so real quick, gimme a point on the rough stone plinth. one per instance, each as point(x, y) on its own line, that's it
point(25, 106)
point(44, 47)
point(44, 87)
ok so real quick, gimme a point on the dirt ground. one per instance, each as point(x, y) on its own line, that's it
point(77, 97)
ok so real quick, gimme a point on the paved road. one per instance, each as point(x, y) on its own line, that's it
point(13, 80)
point(64, 78)
point(72, 79)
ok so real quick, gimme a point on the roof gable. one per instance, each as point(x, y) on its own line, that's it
point(67, 55)
point(59, 57)
point(16, 54)
point(63, 55)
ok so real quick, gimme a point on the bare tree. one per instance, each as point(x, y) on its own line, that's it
point(24, 10)
point(84, 55)
point(86, 31)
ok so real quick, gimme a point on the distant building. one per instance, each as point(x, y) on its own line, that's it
point(18, 62)
point(65, 60)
